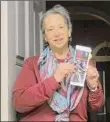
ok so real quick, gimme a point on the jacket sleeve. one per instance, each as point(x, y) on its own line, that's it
point(96, 98)
point(28, 93)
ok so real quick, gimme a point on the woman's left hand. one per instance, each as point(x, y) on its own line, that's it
point(92, 77)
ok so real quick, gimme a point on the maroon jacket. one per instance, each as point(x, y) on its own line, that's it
point(30, 95)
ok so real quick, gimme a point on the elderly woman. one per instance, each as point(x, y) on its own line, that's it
point(42, 91)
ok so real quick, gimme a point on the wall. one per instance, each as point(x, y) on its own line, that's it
point(4, 61)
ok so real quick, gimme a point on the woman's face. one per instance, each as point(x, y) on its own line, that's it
point(56, 31)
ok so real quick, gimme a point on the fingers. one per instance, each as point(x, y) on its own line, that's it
point(67, 72)
point(92, 73)
point(63, 70)
point(70, 67)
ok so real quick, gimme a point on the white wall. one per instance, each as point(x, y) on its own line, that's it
point(8, 59)
point(4, 61)
point(11, 56)
point(18, 37)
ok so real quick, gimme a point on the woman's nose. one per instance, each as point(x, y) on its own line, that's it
point(57, 33)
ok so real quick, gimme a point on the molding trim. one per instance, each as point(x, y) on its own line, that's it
point(101, 45)
point(97, 48)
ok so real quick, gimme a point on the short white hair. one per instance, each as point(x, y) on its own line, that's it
point(57, 9)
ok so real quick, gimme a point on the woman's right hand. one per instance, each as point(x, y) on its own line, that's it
point(63, 70)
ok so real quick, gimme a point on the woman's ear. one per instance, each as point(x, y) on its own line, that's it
point(44, 37)
point(69, 33)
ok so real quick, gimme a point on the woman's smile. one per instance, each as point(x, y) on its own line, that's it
point(58, 40)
